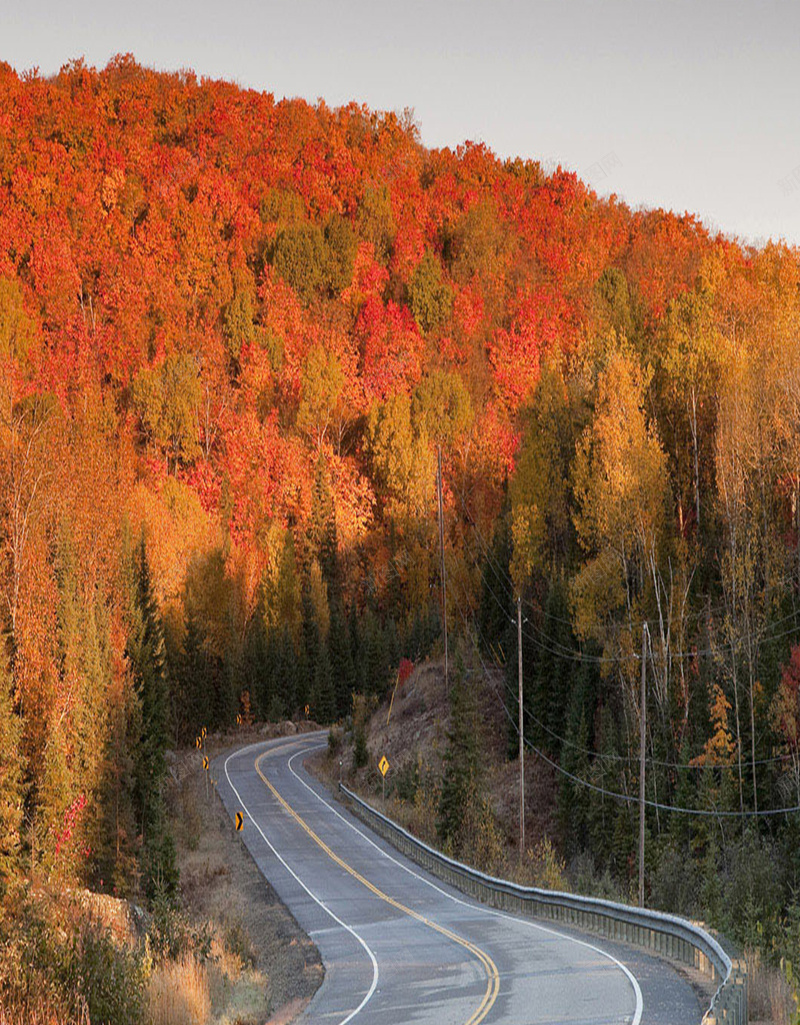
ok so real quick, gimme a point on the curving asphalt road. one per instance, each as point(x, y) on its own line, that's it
point(401, 947)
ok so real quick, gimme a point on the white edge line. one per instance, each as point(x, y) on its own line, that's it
point(313, 896)
point(637, 1017)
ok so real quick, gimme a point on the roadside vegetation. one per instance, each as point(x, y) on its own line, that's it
point(221, 951)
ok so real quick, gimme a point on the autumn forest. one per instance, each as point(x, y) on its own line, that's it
point(235, 336)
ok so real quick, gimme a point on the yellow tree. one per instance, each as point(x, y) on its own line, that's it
point(321, 405)
point(687, 358)
point(25, 424)
point(745, 465)
point(622, 490)
point(541, 522)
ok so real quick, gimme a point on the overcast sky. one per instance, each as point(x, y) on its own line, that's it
point(687, 105)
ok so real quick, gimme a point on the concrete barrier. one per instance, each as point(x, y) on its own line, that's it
point(667, 935)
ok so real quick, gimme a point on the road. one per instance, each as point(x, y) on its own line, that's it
point(401, 947)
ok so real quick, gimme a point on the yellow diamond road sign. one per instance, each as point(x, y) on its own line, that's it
point(383, 765)
point(239, 821)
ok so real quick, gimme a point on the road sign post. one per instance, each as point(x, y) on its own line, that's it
point(239, 822)
point(383, 768)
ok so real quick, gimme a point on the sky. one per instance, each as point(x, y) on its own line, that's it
point(691, 106)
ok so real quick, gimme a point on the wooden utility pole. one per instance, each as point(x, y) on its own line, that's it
point(444, 578)
point(521, 736)
point(642, 737)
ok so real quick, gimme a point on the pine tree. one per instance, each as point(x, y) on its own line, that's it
point(341, 658)
point(12, 787)
point(375, 662)
point(461, 763)
point(116, 845)
point(562, 673)
point(496, 598)
point(193, 682)
point(286, 694)
point(146, 654)
point(323, 699)
point(312, 642)
point(354, 630)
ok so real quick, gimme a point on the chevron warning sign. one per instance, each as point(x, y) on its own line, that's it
point(205, 763)
point(239, 822)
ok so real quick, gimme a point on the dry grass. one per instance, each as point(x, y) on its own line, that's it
point(43, 1012)
point(770, 996)
point(179, 993)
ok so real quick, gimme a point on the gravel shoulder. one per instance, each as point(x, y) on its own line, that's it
point(221, 885)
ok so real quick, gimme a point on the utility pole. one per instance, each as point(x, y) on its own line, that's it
point(642, 734)
point(441, 549)
point(521, 736)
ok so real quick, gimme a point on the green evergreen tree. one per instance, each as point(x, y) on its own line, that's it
point(322, 529)
point(310, 652)
point(341, 659)
point(323, 698)
point(461, 760)
point(356, 647)
point(116, 844)
point(561, 639)
point(193, 683)
point(286, 683)
point(375, 659)
point(145, 651)
point(497, 599)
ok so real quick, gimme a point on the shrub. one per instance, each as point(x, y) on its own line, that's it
point(334, 741)
point(546, 867)
point(56, 965)
point(360, 749)
point(237, 942)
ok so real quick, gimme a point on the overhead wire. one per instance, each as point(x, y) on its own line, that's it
point(505, 581)
point(652, 624)
point(630, 798)
point(597, 754)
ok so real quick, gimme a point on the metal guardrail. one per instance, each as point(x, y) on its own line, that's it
point(666, 935)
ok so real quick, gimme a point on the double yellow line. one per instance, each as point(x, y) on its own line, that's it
point(492, 976)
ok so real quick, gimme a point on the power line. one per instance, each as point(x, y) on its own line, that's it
point(630, 799)
point(652, 624)
point(505, 581)
point(680, 766)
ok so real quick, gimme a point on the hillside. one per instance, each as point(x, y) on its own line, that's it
point(237, 334)
point(415, 740)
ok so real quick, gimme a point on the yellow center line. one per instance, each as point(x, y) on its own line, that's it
point(492, 976)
